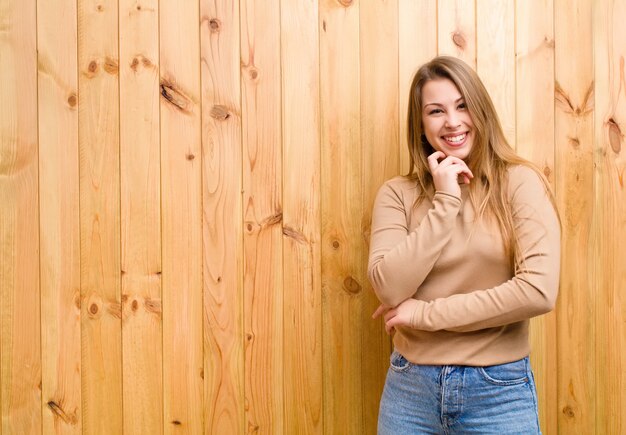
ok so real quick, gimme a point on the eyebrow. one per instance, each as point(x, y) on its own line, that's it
point(441, 105)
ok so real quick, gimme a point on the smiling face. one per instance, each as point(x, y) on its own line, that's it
point(446, 121)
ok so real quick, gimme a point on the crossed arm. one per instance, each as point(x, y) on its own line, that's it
point(399, 262)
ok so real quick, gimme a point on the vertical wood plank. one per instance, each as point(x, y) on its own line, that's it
point(379, 140)
point(417, 44)
point(343, 256)
point(574, 184)
point(140, 217)
point(495, 58)
point(181, 208)
point(609, 222)
point(534, 25)
point(222, 218)
point(456, 29)
point(301, 215)
point(263, 215)
point(20, 355)
point(99, 217)
point(59, 217)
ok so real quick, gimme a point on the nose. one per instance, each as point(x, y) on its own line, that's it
point(453, 120)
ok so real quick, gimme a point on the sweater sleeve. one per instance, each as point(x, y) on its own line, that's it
point(532, 290)
point(400, 260)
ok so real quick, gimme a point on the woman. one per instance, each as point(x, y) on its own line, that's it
point(464, 251)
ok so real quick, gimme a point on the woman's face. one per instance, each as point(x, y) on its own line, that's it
point(446, 120)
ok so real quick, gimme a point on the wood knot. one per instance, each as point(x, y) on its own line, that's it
point(219, 279)
point(253, 73)
point(547, 172)
point(147, 63)
point(134, 305)
point(190, 156)
point(153, 306)
point(335, 244)
point(176, 423)
point(459, 40)
point(72, 100)
point(214, 25)
point(219, 112)
point(93, 67)
point(249, 227)
point(173, 95)
point(93, 309)
point(60, 413)
point(115, 309)
point(249, 337)
point(615, 135)
point(110, 65)
point(569, 412)
point(351, 285)
point(100, 8)
point(294, 234)
point(134, 64)
point(574, 141)
point(138, 7)
point(548, 42)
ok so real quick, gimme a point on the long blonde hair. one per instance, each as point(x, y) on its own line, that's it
point(491, 154)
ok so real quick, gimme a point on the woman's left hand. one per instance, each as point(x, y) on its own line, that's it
point(401, 315)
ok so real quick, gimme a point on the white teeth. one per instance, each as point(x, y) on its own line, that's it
point(455, 139)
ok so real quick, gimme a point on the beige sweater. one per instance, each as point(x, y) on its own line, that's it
point(476, 308)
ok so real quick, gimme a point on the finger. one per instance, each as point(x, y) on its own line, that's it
point(457, 168)
point(451, 160)
point(433, 160)
point(390, 315)
point(380, 310)
point(388, 329)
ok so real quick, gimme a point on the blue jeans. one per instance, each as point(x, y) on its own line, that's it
point(422, 399)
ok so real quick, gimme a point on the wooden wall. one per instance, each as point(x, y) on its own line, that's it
point(185, 197)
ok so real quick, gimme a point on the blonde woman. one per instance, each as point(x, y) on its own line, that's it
point(464, 251)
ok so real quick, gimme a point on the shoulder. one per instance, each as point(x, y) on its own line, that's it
point(400, 183)
point(529, 193)
point(524, 178)
point(400, 189)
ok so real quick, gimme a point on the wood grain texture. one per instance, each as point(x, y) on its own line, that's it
point(574, 101)
point(181, 207)
point(610, 211)
point(301, 217)
point(142, 349)
point(263, 216)
point(343, 256)
point(417, 44)
point(456, 29)
point(249, 185)
point(534, 117)
point(379, 141)
point(99, 217)
point(59, 239)
point(495, 58)
point(222, 218)
point(20, 341)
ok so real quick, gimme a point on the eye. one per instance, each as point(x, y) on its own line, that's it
point(462, 106)
point(435, 111)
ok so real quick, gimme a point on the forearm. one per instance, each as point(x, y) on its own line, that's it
point(399, 262)
point(533, 288)
point(511, 302)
